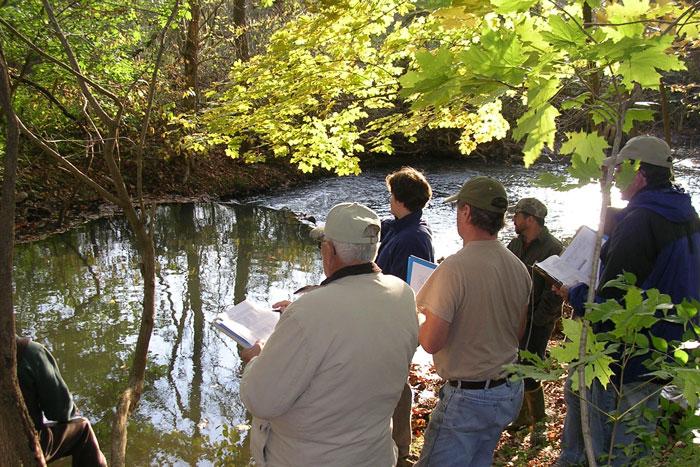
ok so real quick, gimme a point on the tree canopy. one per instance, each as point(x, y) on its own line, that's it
point(345, 77)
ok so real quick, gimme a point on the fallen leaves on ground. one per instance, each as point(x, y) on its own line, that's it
point(514, 449)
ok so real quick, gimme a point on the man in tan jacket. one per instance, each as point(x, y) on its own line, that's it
point(324, 387)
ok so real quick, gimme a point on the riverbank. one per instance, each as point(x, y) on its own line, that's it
point(50, 200)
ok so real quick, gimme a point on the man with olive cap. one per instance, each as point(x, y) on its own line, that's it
point(475, 307)
point(657, 238)
point(323, 388)
point(534, 243)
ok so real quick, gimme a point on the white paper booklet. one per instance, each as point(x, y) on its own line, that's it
point(418, 272)
point(574, 264)
point(247, 323)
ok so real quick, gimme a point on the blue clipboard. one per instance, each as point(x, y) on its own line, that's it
point(418, 269)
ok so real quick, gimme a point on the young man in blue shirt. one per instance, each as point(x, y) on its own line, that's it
point(405, 235)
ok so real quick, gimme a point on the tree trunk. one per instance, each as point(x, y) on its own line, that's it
point(18, 439)
point(190, 54)
point(241, 40)
point(664, 112)
point(132, 394)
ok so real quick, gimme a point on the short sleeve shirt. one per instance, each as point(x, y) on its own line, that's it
point(482, 291)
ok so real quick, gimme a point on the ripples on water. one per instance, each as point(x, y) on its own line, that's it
point(80, 294)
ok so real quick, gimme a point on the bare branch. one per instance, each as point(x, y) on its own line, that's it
point(68, 165)
point(46, 93)
point(96, 107)
point(147, 117)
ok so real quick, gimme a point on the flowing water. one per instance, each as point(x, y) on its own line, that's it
point(79, 293)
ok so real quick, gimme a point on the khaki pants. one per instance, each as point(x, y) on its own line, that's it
point(401, 432)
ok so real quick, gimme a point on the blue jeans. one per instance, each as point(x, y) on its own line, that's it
point(602, 401)
point(466, 425)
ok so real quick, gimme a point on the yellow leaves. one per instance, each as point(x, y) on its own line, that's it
point(486, 124)
point(457, 18)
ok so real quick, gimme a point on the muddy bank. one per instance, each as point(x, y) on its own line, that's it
point(50, 200)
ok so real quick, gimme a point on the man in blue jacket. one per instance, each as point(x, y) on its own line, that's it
point(408, 233)
point(405, 235)
point(657, 238)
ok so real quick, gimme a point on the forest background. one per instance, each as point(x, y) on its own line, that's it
point(143, 100)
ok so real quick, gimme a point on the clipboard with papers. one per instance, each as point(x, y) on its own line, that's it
point(419, 270)
point(246, 323)
point(575, 263)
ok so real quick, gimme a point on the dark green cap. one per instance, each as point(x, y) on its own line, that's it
point(483, 193)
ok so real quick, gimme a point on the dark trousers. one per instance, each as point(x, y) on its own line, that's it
point(535, 340)
point(74, 438)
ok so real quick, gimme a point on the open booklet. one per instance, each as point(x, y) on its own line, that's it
point(418, 272)
point(247, 323)
point(575, 263)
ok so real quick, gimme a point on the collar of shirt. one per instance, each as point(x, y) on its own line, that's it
point(354, 270)
point(407, 220)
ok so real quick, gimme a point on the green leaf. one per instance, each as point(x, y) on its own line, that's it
point(633, 298)
point(541, 91)
point(637, 115)
point(584, 170)
point(642, 66)
point(659, 343)
point(551, 180)
point(589, 146)
point(688, 379)
point(575, 102)
point(681, 356)
point(687, 309)
point(539, 126)
point(625, 174)
point(565, 33)
point(512, 6)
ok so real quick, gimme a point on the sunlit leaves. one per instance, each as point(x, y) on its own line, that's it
point(510, 6)
point(587, 145)
point(636, 115)
point(449, 66)
point(565, 33)
point(642, 66)
point(625, 17)
point(597, 359)
point(587, 153)
point(430, 79)
point(539, 127)
point(688, 380)
point(308, 97)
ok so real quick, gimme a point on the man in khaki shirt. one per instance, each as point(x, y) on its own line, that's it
point(475, 307)
point(323, 388)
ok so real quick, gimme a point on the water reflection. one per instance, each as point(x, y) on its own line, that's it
point(567, 210)
point(79, 293)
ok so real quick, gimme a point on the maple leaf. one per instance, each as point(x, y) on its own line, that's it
point(642, 66)
point(540, 127)
point(589, 146)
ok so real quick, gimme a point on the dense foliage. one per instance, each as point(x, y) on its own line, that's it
point(345, 78)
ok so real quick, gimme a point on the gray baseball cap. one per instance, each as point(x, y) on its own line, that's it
point(350, 223)
point(649, 149)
